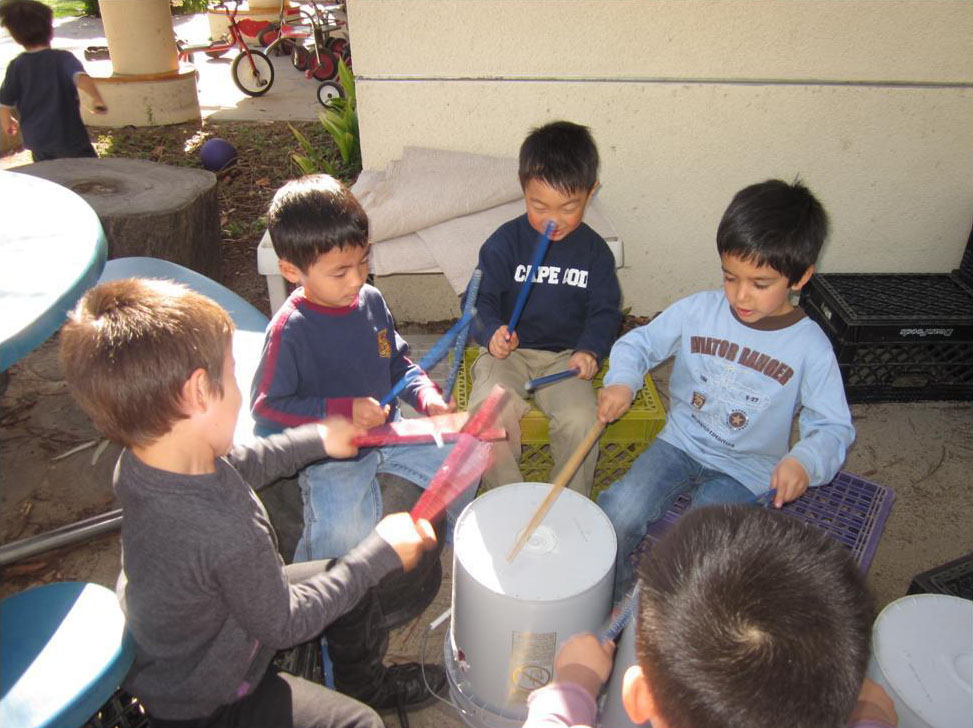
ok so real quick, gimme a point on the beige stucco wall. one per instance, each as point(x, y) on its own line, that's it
point(871, 103)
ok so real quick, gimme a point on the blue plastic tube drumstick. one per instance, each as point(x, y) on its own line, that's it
point(539, 254)
point(623, 615)
point(472, 291)
point(539, 382)
point(437, 352)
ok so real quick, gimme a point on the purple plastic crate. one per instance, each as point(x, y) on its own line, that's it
point(851, 509)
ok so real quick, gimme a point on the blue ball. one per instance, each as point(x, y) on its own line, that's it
point(217, 154)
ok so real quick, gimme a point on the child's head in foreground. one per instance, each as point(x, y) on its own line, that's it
point(137, 353)
point(748, 618)
point(558, 173)
point(29, 22)
point(320, 235)
point(769, 240)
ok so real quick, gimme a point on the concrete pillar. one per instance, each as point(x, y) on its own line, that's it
point(140, 36)
point(148, 85)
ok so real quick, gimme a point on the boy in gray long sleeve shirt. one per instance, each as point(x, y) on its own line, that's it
point(206, 595)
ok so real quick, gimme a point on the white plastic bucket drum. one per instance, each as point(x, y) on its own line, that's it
point(612, 713)
point(922, 654)
point(509, 618)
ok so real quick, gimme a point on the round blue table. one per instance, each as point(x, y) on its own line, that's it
point(53, 249)
point(64, 652)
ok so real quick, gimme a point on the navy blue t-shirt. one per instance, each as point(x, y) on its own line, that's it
point(573, 302)
point(40, 85)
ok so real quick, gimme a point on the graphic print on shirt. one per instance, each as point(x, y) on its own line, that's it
point(384, 348)
point(553, 275)
point(731, 385)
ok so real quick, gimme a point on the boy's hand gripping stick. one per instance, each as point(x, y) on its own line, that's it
point(535, 263)
point(472, 291)
point(437, 352)
point(468, 460)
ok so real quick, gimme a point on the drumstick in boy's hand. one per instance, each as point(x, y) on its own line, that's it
point(539, 252)
point(472, 291)
point(460, 470)
point(567, 472)
point(437, 352)
point(539, 382)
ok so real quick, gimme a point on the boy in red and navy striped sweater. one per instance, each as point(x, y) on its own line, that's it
point(332, 349)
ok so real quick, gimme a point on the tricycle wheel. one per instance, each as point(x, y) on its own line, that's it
point(328, 91)
point(300, 57)
point(324, 67)
point(336, 44)
point(255, 79)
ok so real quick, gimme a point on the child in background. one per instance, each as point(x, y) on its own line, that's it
point(746, 617)
point(746, 359)
point(205, 594)
point(572, 314)
point(42, 85)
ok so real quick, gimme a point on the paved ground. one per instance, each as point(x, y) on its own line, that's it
point(292, 97)
point(923, 451)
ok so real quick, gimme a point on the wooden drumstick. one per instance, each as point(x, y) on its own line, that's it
point(567, 472)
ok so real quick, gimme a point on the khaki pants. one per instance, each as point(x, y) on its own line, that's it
point(570, 405)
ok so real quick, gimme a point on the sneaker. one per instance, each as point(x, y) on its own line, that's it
point(403, 688)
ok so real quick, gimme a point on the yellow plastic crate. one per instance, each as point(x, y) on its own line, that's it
point(622, 442)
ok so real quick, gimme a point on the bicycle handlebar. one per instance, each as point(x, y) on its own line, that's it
point(221, 5)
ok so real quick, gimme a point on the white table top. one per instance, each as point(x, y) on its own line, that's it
point(52, 249)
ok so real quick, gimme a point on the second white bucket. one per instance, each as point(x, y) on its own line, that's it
point(510, 618)
point(922, 654)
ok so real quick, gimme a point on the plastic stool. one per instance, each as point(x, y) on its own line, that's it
point(64, 652)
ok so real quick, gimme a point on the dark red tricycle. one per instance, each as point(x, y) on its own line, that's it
point(252, 71)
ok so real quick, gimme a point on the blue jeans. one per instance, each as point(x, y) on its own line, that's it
point(343, 501)
point(646, 492)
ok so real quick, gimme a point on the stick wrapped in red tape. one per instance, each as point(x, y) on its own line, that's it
point(469, 459)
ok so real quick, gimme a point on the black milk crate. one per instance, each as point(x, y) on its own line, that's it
point(954, 578)
point(897, 337)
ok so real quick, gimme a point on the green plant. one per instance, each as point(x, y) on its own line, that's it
point(311, 160)
point(188, 7)
point(340, 120)
point(72, 8)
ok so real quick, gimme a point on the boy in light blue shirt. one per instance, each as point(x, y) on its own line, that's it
point(745, 361)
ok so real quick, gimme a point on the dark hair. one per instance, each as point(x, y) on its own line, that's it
point(129, 347)
point(30, 23)
point(313, 215)
point(774, 223)
point(752, 618)
point(562, 155)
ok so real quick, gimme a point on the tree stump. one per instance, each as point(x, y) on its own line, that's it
point(145, 208)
